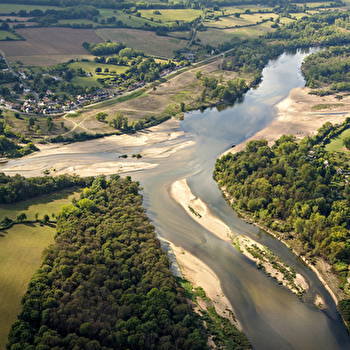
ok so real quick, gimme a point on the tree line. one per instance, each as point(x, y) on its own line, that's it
point(106, 283)
point(296, 188)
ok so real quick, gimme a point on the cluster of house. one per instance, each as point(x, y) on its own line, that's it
point(47, 105)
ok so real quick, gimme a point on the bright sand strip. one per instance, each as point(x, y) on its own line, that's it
point(245, 242)
point(200, 275)
point(182, 194)
point(296, 117)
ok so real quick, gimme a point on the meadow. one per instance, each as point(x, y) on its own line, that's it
point(46, 43)
point(21, 250)
point(168, 16)
point(8, 8)
point(4, 34)
point(148, 42)
point(336, 145)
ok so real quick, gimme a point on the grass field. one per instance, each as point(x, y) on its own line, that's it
point(20, 255)
point(44, 43)
point(21, 252)
point(8, 8)
point(169, 16)
point(4, 34)
point(129, 20)
point(148, 42)
point(336, 145)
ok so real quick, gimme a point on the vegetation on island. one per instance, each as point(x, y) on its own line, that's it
point(297, 189)
point(106, 282)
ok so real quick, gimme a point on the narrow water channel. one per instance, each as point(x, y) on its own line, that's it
point(272, 317)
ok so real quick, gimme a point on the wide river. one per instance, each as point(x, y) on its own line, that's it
point(271, 316)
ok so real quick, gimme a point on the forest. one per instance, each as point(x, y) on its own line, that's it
point(106, 282)
point(297, 189)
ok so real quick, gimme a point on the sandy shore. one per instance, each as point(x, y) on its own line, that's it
point(182, 194)
point(86, 159)
point(200, 275)
point(295, 116)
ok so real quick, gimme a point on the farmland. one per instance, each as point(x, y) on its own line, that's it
point(169, 16)
point(26, 241)
point(336, 144)
point(44, 46)
point(148, 42)
point(5, 34)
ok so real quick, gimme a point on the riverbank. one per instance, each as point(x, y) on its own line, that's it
point(296, 116)
point(75, 158)
point(200, 275)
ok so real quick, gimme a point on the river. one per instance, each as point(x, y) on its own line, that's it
point(272, 317)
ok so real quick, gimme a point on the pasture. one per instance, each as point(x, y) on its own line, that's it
point(336, 145)
point(128, 19)
point(49, 45)
point(5, 34)
point(21, 250)
point(148, 42)
point(169, 16)
point(8, 8)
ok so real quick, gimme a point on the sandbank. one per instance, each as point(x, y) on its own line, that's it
point(200, 275)
point(182, 194)
point(295, 116)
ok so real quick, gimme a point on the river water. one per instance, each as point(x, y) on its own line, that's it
point(271, 316)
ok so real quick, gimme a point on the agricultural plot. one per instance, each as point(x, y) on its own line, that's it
point(243, 8)
point(128, 19)
point(148, 42)
point(168, 16)
point(8, 8)
point(336, 145)
point(26, 241)
point(4, 34)
point(92, 65)
point(42, 45)
point(243, 20)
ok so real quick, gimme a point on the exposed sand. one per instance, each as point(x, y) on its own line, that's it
point(61, 158)
point(182, 194)
point(248, 242)
point(296, 117)
point(200, 275)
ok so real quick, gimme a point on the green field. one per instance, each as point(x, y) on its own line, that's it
point(128, 19)
point(8, 8)
point(336, 145)
point(5, 33)
point(46, 204)
point(146, 41)
point(169, 16)
point(20, 255)
point(21, 252)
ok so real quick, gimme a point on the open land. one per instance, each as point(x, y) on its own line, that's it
point(146, 41)
point(49, 46)
point(21, 249)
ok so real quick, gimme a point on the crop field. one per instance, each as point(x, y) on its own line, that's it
point(180, 35)
point(20, 255)
point(4, 34)
point(21, 251)
point(130, 20)
point(242, 8)
point(47, 43)
point(146, 41)
point(243, 20)
point(336, 145)
point(168, 16)
point(92, 65)
point(215, 36)
point(8, 8)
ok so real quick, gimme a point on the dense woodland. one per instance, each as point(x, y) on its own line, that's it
point(296, 188)
point(17, 188)
point(106, 283)
point(328, 68)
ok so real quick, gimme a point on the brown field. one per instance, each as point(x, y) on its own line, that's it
point(146, 41)
point(46, 44)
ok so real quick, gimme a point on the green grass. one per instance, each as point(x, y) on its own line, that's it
point(4, 34)
point(8, 8)
point(91, 66)
point(128, 19)
point(20, 254)
point(336, 145)
point(169, 16)
point(321, 106)
point(46, 204)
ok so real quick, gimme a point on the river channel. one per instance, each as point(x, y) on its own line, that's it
point(271, 316)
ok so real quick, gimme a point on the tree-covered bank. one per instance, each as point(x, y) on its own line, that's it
point(106, 283)
point(298, 190)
